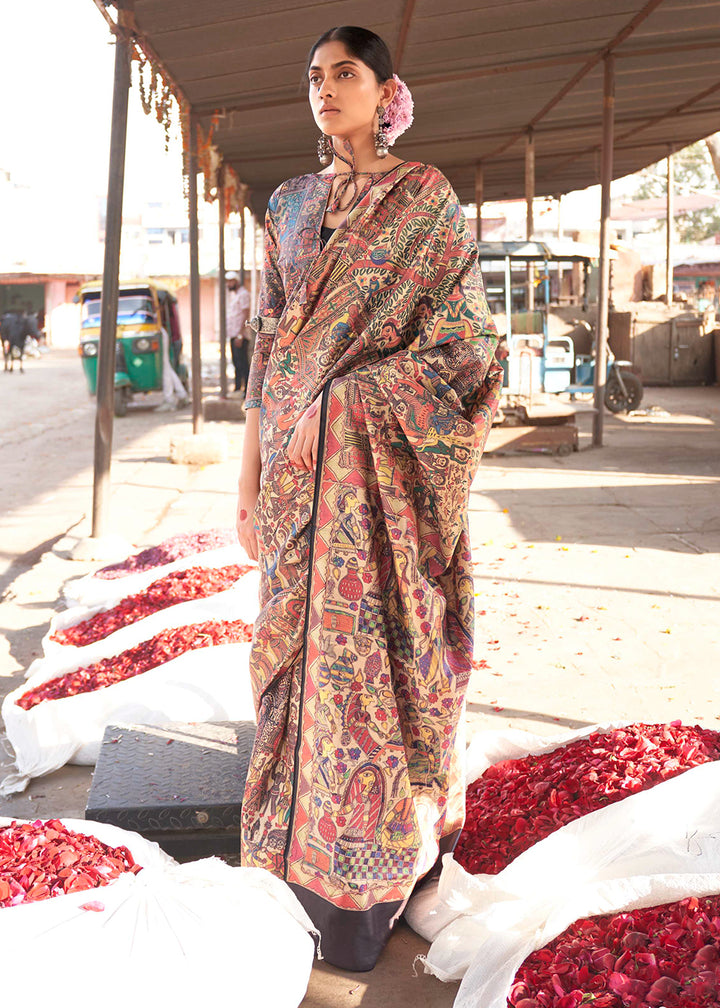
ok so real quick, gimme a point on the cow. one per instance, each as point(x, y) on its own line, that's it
point(14, 329)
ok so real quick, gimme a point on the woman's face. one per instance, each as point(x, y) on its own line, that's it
point(366, 780)
point(340, 81)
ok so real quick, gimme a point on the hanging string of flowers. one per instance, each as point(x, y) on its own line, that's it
point(235, 193)
point(156, 94)
point(209, 159)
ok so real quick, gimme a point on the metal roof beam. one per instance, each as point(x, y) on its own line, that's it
point(407, 14)
point(677, 110)
point(594, 61)
point(573, 127)
point(494, 70)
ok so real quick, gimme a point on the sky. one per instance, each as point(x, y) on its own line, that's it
point(57, 130)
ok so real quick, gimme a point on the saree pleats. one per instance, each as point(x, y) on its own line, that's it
point(363, 648)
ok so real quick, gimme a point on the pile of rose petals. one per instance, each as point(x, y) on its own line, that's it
point(175, 548)
point(43, 859)
point(659, 956)
point(149, 654)
point(178, 586)
point(516, 803)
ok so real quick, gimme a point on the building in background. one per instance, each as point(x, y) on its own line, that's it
point(47, 252)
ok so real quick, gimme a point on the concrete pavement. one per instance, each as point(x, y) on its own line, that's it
point(597, 583)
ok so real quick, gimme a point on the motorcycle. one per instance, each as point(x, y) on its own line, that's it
point(623, 389)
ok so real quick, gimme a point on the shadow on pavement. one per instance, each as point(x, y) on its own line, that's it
point(515, 712)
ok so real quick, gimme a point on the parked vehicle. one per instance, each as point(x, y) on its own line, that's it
point(623, 389)
point(534, 361)
point(144, 311)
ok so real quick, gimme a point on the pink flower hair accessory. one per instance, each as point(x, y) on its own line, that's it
point(399, 113)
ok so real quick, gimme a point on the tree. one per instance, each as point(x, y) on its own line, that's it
point(713, 146)
point(697, 169)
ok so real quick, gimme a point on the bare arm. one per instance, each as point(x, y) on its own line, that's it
point(249, 484)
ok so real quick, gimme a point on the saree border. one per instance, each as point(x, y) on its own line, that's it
point(306, 629)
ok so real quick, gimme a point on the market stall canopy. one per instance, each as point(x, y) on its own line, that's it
point(481, 75)
point(558, 250)
point(656, 206)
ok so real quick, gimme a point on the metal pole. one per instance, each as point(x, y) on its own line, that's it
point(529, 196)
point(560, 236)
point(242, 242)
point(508, 297)
point(670, 228)
point(222, 307)
point(479, 196)
point(194, 278)
point(111, 267)
point(253, 265)
point(606, 168)
point(508, 324)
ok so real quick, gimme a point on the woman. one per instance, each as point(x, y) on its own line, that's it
point(372, 389)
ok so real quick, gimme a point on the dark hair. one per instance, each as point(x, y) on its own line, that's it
point(361, 43)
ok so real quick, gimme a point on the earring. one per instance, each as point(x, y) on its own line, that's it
point(324, 150)
point(381, 144)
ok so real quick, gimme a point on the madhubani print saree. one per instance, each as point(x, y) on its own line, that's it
point(362, 651)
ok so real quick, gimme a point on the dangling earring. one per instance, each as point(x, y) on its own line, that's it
point(381, 144)
point(324, 150)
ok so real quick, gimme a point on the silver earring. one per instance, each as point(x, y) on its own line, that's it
point(381, 144)
point(324, 150)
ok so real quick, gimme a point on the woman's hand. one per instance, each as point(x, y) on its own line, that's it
point(303, 448)
point(245, 522)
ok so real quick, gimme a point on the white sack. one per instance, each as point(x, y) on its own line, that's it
point(426, 913)
point(495, 746)
point(240, 601)
point(205, 684)
point(180, 935)
point(106, 592)
point(654, 847)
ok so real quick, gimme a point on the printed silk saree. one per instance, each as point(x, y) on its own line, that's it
point(362, 651)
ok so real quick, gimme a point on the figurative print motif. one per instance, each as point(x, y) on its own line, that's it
point(362, 650)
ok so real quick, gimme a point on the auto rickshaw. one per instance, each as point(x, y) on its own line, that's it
point(144, 310)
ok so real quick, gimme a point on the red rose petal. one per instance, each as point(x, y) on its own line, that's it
point(518, 802)
point(580, 961)
point(174, 548)
point(161, 648)
point(179, 586)
point(33, 860)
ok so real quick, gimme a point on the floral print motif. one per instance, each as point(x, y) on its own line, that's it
point(362, 649)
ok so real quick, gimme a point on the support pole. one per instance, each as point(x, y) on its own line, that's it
point(222, 306)
point(529, 196)
point(253, 266)
point(242, 243)
point(670, 228)
point(560, 236)
point(479, 196)
point(194, 278)
point(508, 302)
point(111, 268)
point(606, 168)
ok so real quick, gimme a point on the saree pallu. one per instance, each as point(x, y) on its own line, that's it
point(362, 651)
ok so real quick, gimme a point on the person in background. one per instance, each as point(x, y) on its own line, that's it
point(238, 312)
point(174, 392)
point(32, 332)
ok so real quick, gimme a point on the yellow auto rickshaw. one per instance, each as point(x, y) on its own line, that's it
point(144, 311)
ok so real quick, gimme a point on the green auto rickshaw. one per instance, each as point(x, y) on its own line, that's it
point(144, 311)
